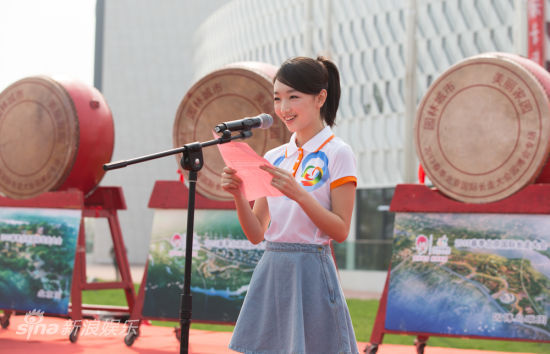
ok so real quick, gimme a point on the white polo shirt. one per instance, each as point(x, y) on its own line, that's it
point(323, 163)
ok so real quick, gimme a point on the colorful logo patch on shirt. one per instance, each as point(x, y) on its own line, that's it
point(312, 175)
point(314, 171)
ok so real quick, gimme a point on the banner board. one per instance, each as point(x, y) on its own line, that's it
point(536, 31)
point(37, 252)
point(222, 265)
point(471, 275)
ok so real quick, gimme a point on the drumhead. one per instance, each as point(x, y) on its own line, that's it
point(233, 92)
point(482, 129)
point(39, 137)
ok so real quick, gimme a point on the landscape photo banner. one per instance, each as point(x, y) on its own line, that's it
point(222, 265)
point(471, 275)
point(37, 251)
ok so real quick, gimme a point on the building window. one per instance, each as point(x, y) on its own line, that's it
point(371, 250)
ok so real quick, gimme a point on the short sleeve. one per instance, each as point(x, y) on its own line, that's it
point(342, 167)
point(275, 155)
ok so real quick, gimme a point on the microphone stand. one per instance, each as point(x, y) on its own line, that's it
point(191, 161)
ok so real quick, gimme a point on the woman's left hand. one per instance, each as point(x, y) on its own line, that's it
point(284, 181)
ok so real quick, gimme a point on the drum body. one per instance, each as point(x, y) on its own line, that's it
point(54, 135)
point(233, 92)
point(482, 131)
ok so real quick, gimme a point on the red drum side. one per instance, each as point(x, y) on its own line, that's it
point(53, 136)
point(544, 78)
point(96, 137)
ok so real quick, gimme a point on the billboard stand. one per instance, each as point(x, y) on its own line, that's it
point(103, 202)
point(171, 195)
point(192, 160)
point(378, 330)
point(155, 299)
point(467, 240)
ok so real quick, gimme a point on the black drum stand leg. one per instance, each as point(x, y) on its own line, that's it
point(5, 319)
point(371, 348)
point(420, 343)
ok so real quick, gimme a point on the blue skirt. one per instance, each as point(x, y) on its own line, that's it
point(294, 304)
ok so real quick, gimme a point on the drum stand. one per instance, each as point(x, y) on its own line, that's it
point(104, 202)
point(191, 161)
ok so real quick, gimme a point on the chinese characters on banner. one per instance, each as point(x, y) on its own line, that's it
point(535, 31)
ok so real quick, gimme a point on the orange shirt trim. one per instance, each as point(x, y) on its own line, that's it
point(342, 181)
point(298, 161)
point(301, 155)
point(325, 143)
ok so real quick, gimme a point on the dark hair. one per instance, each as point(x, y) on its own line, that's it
point(310, 76)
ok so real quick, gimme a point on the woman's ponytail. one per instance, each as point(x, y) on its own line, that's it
point(330, 107)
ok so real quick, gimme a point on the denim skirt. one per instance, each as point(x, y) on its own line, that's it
point(294, 304)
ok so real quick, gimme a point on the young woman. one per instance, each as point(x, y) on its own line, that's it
point(295, 303)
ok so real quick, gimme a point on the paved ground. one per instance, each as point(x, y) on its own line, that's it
point(107, 272)
point(98, 337)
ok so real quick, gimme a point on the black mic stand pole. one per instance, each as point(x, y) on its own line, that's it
point(191, 161)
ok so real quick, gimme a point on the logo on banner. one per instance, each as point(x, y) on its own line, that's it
point(422, 244)
point(426, 251)
point(178, 243)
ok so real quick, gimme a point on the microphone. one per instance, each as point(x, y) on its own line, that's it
point(262, 121)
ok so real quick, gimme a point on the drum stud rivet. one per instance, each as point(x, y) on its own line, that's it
point(94, 104)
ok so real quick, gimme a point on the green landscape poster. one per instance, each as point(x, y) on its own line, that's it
point(223, 262)
point(37, 251)
point(471, 275)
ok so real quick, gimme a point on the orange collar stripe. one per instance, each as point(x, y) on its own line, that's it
point(325, 143)
point(298, 161)
point(301, 155)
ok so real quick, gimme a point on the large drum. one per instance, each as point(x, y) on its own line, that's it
point(482, 130)
point(233, 92)
point(54, 135)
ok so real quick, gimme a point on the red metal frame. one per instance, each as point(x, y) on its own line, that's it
point(418, 198)
point(104, 202)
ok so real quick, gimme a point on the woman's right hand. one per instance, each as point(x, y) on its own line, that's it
point(230, 182)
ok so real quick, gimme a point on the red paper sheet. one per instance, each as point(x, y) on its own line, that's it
point(256, 182)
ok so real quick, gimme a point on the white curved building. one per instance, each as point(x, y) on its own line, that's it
point(388, 52)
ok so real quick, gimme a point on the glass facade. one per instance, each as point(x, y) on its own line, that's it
point(371, 250)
